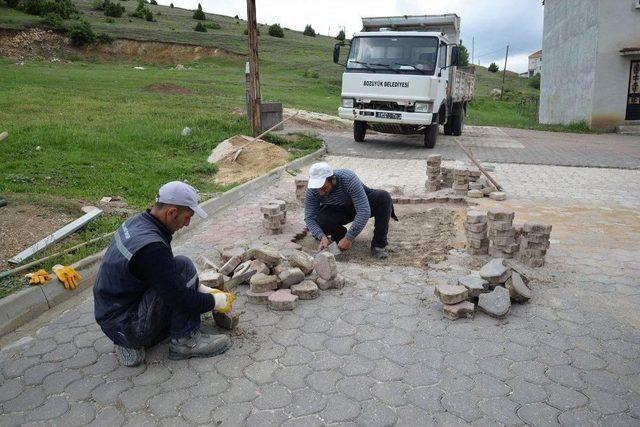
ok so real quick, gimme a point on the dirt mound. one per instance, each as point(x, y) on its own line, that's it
point(168, 88)
point(423, 237)
point(33, 43)
point(254, 160)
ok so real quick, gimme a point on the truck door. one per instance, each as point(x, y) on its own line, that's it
point(444, 80)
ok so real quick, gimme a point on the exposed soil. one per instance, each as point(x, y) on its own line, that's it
point(423, 237)
point(168, 88)
point(254, 160)
point(33, 43)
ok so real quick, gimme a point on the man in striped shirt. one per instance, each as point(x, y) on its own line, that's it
point(338, 197)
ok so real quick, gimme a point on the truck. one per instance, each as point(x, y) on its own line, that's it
point(402, 76)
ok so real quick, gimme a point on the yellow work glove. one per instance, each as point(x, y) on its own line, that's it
point(39, 277)
point(223, 300)
point(67, 275)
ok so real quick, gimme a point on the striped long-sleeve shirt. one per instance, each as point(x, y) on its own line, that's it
point(348, 191)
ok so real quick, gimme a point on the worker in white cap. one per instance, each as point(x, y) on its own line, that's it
point(144, 294)
point(337, 197)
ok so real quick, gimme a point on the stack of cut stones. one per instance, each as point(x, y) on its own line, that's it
point(476, 231)
point(491, 289)
point(534, 242)
point(502, 233)
point(461, 180)
point(301, 189)
point(275, 216)
point(434, 163)
point(447, 177)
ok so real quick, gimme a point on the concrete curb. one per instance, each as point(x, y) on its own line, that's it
point(23, 306)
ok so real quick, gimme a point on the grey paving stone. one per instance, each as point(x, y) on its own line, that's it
point(531, 371)
point(452, 381)
point(36, 374)
point(17, 367)
point(306, 402)
point(268, 352)
point(463, 405)
point(29, 398)
point(60, 353)
point(66, 335)
point(324, 382)
point(167, 404)
point(233, 414)
point(40, 347)
point(107, 393)
point(14, 419)
point(240, 390)
point(82, 388)
point(308, 421)
point(11, 388)
point(233, 367)
point(135, 398)
point(180, 378)
point(325, 360)
point(500, 409)
point(604, 402)
point(356, 387)
point(583, 360)
point(54, 407)
point(524, 392)
point(57, 381)
point(426, 398)
point(197, 410)
point(341, 346)
point(464, 363)
point(486, 385)
point(83, 358)
point(376, 414)
point(339, 409)
point(210, 384)
point(566, 375)
point(272, 396)
point(564, 398)
point(126, 372)
point(266, 418)
point(390, 393)
point(108, 417)
point(539, 414)
point(106, 363)
point(420, 375)
point(292, 377)
point(578, 417)
point(140, 420)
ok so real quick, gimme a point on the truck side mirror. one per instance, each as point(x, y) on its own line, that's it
point(455, 56)
point(336, 53)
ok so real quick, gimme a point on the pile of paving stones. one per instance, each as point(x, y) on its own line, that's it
point(274, 216)
point(272, 278)
point(461, 180)
point(492, 290)
point(434, 177)
point(301, 189)
point(481, 187)
point(495, 234)
point(446, 174)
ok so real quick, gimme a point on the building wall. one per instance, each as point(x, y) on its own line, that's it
point(535, 66)
point(569, 44)
point(618, 27)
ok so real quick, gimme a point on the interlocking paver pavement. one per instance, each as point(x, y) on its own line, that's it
point(379, 352)
point(500, 145)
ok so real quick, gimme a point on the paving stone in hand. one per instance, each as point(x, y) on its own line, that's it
point(451, 294)
point(495, 303)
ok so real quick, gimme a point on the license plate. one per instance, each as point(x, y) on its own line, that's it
point(392, 116)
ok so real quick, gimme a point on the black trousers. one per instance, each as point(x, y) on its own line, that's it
point(332, 219)
point(151, 321)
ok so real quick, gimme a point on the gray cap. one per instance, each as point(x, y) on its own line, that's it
point(180, 194)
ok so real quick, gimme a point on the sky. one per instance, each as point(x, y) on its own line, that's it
point(491, 24)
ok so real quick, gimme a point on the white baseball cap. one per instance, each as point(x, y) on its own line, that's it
point(180, 194)
point(318, 174)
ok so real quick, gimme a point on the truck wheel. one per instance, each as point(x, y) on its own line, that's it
point(431, 135)
point(457, 124)
point(448, 129)
point(359, 130)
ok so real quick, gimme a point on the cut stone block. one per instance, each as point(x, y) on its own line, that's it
point(475, 194)
point(268, 256)
point(495, 303)
point(270, 209)
point(499, 214)
point(537, 227)
point(261, 283)
point(281, 204)
point(230, 265)
point(227, 254)
point(434, 159)
point(498, 196)
point(477, 243)
point(280, 268)
point(474, 284)
point(282, 300)
point(290, 277)
point(305, 290)
point(461, 310)
point(502, 226)
point(518, 291)
point(211, 278)
point(245, 270)
point(488, 190)
point(476, 217)
point(227, 320)
point(210, 260)
point(259, 266)
point(303, 261)
point(495, 272)
point(504, 241)
point(451, 294)
point(537, 238)
point(480, 227)
point(258, 298)
point(326, 266)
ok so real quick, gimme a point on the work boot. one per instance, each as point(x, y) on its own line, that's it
point(198, 345)
point(379, 253)
point(130, 356)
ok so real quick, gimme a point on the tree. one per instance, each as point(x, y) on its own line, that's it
point(200, 28)
point(81, 33)
point(309, 31)
point(534, 82)
point(171, 5)
point(276, 30)
point(340, 36)
point(463, 58)
point(199, 14)
point(493, 67)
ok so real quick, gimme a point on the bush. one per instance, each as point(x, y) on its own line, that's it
point(113, 9)
point(153, 2)
point(64, 8)
point(534, 82)
point(171, 5)
point(493, 67)
point(309, 31)
point(148, 15)
point(276, 31)
point(212, 26)
point(104, 38)
point(199, 14)
point(142, 11)
point(199, 27)
point(12, 3)
point(81, 33)
point(53, 20)
point(340, 36)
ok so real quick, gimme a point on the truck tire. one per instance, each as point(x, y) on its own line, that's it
point(457, 124)
point(359, 130)
point(431, 135)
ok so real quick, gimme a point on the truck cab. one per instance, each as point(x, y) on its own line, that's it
point(400, 77)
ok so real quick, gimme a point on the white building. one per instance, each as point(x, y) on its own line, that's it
point(591, 63)
point(535, 63)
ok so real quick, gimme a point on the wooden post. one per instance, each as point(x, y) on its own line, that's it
point(254, 72)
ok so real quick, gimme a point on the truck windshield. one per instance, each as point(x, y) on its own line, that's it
point(402, 54)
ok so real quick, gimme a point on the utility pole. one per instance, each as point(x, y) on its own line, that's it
point(254, 72)
point(504, 71)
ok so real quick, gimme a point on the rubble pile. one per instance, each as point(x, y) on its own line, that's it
point(275, 216)
point(273, 279)
point(492, 290)
point(301, 189)
point(495, 234)
point(434, 163)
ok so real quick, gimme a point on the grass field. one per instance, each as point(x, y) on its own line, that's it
point(87, 129)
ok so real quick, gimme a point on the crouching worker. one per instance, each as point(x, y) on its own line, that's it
point(337, 197)
point(143, 294)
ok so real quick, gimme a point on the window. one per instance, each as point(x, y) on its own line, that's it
point(403, 54)
point(442, 56)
